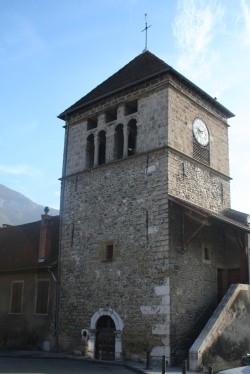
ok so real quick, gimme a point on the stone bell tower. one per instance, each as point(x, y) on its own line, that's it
point(143, 136)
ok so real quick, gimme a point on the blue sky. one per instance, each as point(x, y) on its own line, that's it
point(52, 52)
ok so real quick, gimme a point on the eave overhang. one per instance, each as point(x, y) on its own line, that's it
point(206, 214)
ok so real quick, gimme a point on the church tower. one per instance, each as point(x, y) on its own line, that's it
point(145, 181)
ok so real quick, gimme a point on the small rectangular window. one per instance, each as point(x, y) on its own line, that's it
point(16, 297)
point(206, 254)
point(107, 251)
point(42, 297)
point(110, 252)
point(131, 107)
point(92, 123)
point(111, 115)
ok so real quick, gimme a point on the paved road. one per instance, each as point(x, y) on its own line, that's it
point(52, 366)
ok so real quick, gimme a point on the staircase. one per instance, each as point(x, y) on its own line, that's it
point(225, 337)
point(180, 351)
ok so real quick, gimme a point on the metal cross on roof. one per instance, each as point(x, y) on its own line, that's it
point(146, 34)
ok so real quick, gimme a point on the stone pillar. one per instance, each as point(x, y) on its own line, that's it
point(96, 142)
point(109, 144)
point(91, 344)
point(118, 345)
point(125, 143)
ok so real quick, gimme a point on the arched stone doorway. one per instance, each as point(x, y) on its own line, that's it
point(105, 335)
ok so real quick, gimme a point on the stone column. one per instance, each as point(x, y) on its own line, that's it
point(109, 144)
point(125, 143)
point(96, 142)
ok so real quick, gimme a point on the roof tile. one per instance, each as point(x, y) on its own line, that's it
point(143, 67)
point(19, 245)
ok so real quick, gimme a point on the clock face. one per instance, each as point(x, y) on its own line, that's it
point(200, 132)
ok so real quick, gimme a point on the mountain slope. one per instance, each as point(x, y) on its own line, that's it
point(16, 209)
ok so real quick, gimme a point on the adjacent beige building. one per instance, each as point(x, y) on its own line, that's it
point(28, 284)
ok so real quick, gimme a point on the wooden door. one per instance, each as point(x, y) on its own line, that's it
point(105, 339)
point(226, 277)
point(233, 276)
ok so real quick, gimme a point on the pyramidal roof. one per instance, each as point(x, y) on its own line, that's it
point(143, 67)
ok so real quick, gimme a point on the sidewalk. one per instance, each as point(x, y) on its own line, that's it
point(134, 366)
point(155, 370)
point(141, 369)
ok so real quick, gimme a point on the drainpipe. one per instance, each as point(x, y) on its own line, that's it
point(56, 306)
point(248, 256)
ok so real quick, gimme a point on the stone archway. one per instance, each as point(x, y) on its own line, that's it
point(102, 319)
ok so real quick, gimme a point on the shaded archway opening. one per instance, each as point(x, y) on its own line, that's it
point(119, 142)
point(102, 148)
point(90, 151)
point(132, 135)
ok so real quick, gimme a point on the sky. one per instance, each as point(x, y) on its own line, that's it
point(53, 52)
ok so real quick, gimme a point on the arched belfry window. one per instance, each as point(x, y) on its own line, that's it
point(119, 142)
point(90, 151)
point(102, 148)
point(132, 135)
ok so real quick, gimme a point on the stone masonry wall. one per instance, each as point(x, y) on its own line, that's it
point(125, 203)
point(225, 338)
point(194, 281)
point(207, 186)
point(151, 119)
point(182, 112)
point(196, 183)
